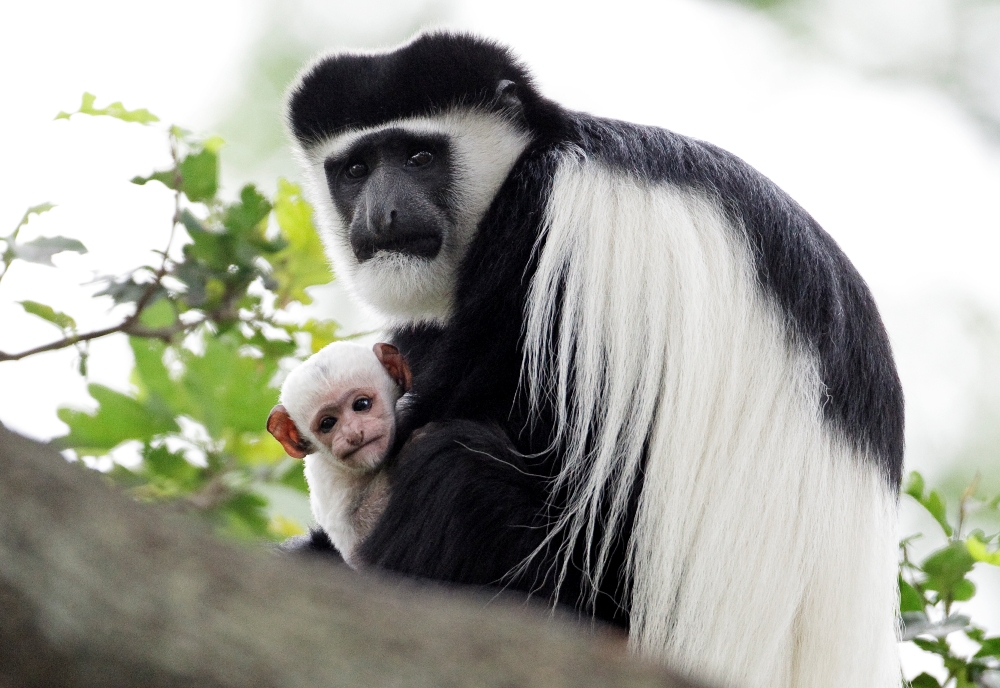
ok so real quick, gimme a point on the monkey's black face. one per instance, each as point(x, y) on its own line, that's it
point(392, 187)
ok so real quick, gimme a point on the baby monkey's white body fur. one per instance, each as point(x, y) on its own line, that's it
point(347, 488)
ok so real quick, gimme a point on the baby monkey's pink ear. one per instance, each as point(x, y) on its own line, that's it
point(281, 425)
point(394, 364)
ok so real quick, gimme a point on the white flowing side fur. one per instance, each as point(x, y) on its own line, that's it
point(764, 548)
point(406, 289)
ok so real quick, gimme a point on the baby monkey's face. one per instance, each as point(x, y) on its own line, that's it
point(356, 423)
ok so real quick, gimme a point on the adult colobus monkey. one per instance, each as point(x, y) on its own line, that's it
point(687, 417)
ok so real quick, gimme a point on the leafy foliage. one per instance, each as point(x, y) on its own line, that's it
point(209, 328)
point(38, 250)
point(116, 110)
point(928, 590)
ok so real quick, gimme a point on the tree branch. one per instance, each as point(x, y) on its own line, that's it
point(99, 591)
point(128, 326)
point(62, 343)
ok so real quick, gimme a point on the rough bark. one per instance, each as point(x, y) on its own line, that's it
point(97, 590)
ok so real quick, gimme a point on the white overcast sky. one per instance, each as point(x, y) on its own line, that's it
point(897, 173)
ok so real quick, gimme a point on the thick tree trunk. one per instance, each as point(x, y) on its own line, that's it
point(97, 590)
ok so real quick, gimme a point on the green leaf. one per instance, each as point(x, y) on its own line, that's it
point(976, 634)
point(244, 515)
point(946, 569)
point(963, 590)
point(272, 348)
point(210, 249)
point(152, 378)
point(917, 623)
point(981, 535)
point(229, 392)
point(125, 477)
point(192, 224)
point(116, 110)
point(322, 333)
point(42, 249)
point(195, 278)
point(163, 463)
point(303, 262)
point(256, 448)
point(936, 646)
point(33, 210)
point(925, 680)
point(159, 314)
point(909, 599)
point(200, 175)
point(915, 486)
point(213, 144)
point(166, 177)
point(990, 647)
point(979, 551)
point(934, 503)
point(291, 472)
point(60, 320)
point(247, 215)
point(119, 418)
point(129, 291)
point(284, 527)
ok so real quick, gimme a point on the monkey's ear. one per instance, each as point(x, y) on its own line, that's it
point(394, 364)
point(281, 425)
point(506, 95)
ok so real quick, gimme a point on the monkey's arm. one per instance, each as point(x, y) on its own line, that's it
point(463, 508)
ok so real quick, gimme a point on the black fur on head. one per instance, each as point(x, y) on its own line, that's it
point(431, 74)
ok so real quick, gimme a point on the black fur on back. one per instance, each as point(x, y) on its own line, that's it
point(458, 498)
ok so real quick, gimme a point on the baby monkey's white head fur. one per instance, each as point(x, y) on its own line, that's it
point(342, 400)
point(338, 412)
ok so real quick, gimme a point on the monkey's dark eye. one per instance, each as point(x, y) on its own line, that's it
point(357, 170)
point(326, 425)
point(419, 159)
point(362, 404)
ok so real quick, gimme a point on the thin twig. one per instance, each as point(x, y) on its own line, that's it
point(62, 343)
point(127, 326)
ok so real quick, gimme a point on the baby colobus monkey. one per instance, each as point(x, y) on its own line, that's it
point(338, 412)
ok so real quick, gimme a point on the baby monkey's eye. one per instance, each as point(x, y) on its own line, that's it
point(362, 404)
point(326, 425)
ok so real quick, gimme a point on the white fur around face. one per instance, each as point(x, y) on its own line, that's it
point(764, 548)
point(405, 288)
point(333, 492)
point(335, 488)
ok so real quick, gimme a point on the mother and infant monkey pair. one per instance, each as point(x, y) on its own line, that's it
point(649, 386)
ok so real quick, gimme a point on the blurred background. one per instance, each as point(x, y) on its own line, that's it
point(881, 117)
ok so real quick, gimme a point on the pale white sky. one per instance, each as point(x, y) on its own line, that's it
point(897, 173)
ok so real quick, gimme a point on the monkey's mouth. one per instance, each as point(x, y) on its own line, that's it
point(424, 245)
point(358, 453)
